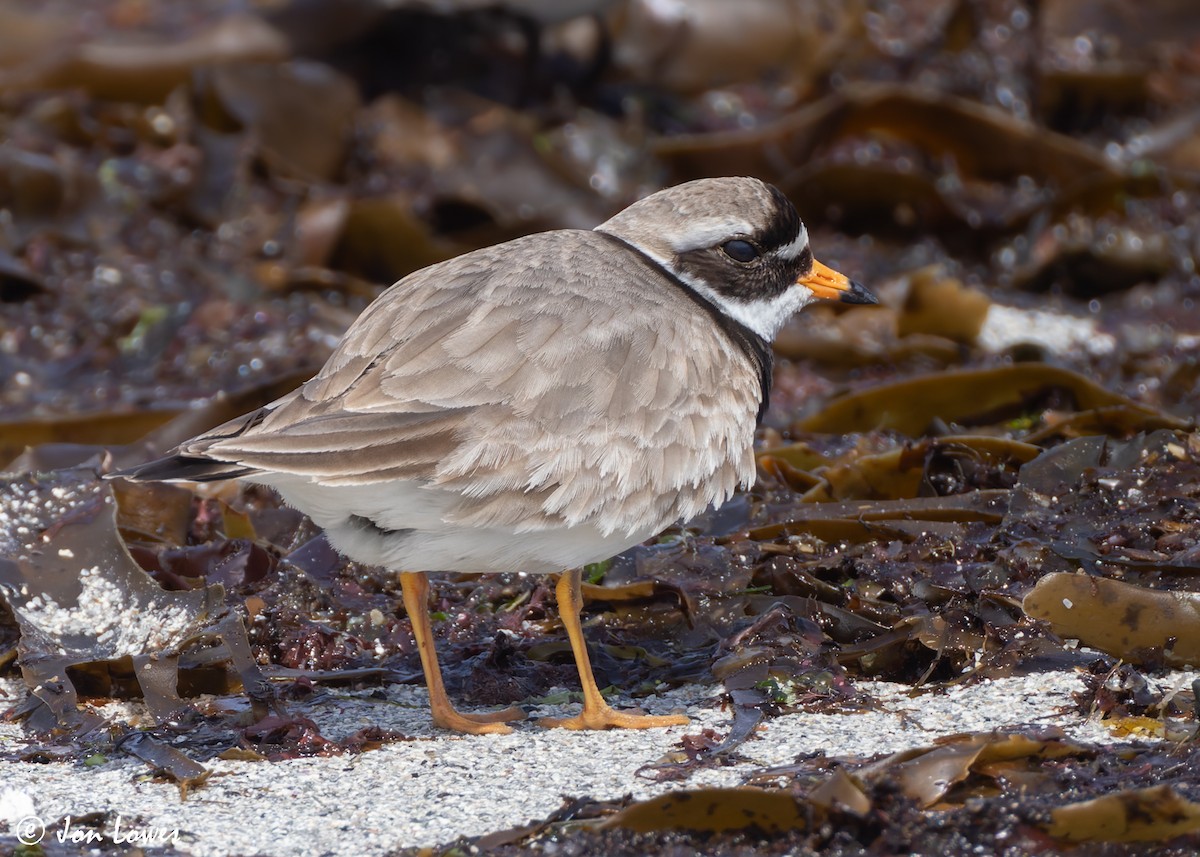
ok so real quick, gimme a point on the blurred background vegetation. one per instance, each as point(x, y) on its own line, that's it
point(199, 196)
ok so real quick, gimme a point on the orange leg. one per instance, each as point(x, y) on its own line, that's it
point(415, 587)
point(596, 714)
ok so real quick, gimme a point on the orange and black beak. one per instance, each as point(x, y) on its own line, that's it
point(827, 284)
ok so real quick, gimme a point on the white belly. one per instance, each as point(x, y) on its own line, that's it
point(421, 540)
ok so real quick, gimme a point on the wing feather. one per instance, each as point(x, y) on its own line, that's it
point(540, 401)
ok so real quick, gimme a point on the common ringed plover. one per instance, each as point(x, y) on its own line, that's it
point(540, 404)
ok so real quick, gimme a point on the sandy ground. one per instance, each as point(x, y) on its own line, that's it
point(439, 786)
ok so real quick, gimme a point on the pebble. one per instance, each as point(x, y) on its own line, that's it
point(440, 786)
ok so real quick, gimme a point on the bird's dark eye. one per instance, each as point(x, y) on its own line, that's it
point(740, 251)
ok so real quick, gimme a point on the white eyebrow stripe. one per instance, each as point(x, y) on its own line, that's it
point(798, 245)
point(702, 235)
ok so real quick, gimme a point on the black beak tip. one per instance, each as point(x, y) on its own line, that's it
point(858, 294)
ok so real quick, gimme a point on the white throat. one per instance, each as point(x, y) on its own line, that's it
point(765, 316)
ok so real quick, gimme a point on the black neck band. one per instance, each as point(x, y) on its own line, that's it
point(757, 349)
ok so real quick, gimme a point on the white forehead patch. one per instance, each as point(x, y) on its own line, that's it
point(794, 249)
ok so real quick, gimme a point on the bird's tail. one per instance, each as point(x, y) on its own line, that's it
point(183, 468)
point(189, 463)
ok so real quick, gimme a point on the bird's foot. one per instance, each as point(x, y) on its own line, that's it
point(492, 723)
point(609, 718)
